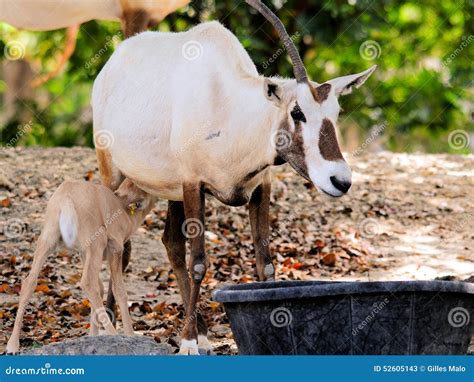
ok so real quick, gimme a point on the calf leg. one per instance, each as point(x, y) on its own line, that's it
point(175, 244)
point(193, 198)
point(110, 304)
point(119, 290)
point(111, 177)
point(44, 247)
point(94, 328)
point(259, 208)
point(91, 287)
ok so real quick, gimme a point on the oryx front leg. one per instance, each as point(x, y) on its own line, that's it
point(193, 199)
point(174, 240)
point(259, 208)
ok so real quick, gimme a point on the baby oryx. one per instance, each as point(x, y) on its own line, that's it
point(96, 221)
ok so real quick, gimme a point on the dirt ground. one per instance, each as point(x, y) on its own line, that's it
point(407, 217)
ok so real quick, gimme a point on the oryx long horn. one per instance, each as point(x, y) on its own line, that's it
point(298, 67)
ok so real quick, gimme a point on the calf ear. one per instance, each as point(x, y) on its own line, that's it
point(344, 85)
point(272, 91)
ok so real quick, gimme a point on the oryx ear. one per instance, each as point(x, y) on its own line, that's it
point(344, 85)
point(272, 91)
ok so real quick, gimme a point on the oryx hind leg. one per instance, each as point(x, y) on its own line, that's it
point(109, 173)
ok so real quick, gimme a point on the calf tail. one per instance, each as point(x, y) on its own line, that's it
point(68, 223)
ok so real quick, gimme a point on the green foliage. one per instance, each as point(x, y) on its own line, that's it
point(420, 93)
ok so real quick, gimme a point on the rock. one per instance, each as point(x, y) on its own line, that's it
point(104, 345)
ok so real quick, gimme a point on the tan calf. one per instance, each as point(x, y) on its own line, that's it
point(96, 221)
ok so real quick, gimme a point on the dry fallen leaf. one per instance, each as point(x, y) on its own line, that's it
point(329, 259)
point(42, 288)
point(6, 202)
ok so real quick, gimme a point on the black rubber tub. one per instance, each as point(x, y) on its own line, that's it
point(314, 317)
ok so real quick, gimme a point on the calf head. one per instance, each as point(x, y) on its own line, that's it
point(136, 201)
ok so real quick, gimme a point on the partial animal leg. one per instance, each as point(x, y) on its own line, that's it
point(194, 204)
point(94, 328)
point(134, 21)
point(175, 244)
point(110, 304)
point(259, 208)
point(111, 178)
point(120, 293)
point(44, 247)
point(90, 286)
point(109, 173)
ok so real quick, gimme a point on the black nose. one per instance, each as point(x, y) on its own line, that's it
point(341, 185)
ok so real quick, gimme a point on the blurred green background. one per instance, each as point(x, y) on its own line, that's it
point(421, 92)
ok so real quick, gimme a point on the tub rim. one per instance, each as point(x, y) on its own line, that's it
point(271, 291)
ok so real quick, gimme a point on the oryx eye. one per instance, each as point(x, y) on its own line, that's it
point(297, 114)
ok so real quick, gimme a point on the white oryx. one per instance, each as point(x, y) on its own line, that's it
point(183, 114)
point(39, 15)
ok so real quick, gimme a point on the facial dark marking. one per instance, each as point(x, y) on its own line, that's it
point(320, 93)
point(271, 90)
point(328, 146)
point(297, 114)
point(294, 154)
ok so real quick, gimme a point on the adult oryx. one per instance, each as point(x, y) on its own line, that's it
point(184, 114)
